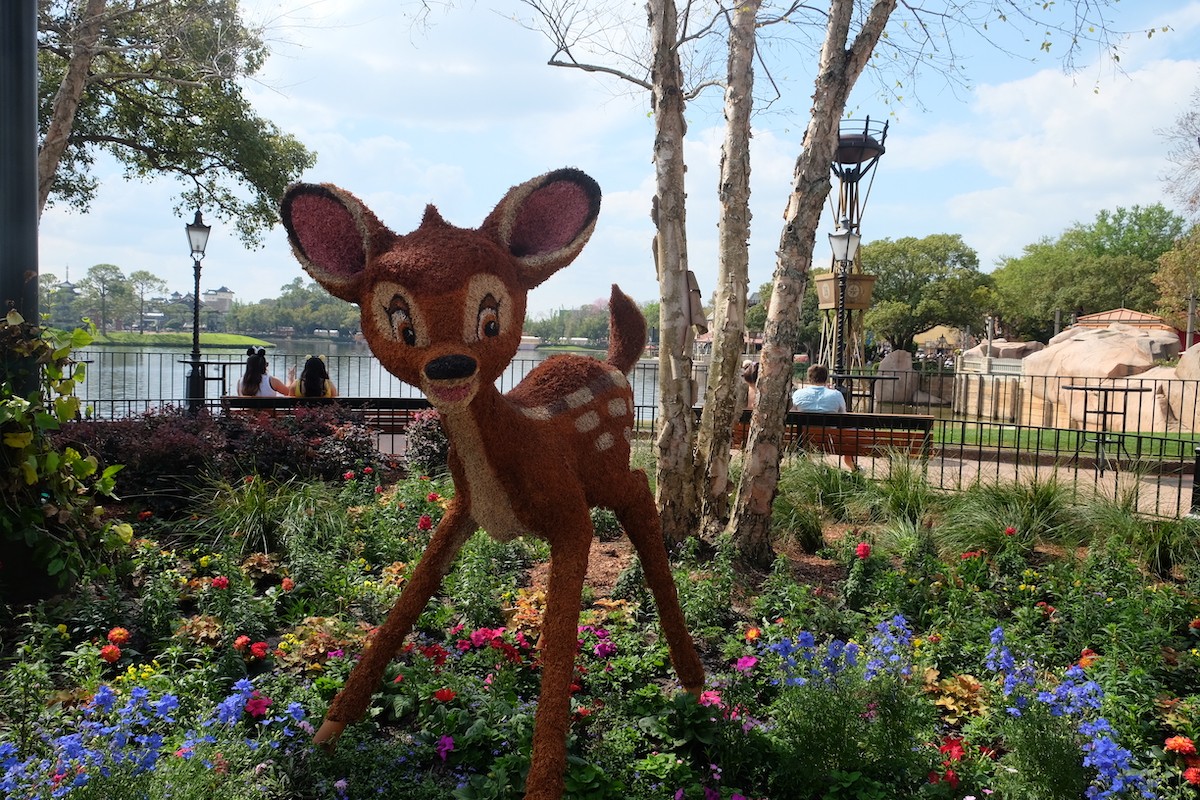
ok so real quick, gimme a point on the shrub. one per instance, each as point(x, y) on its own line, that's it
point(169, 453)
point(428, 448)
point(47, 489)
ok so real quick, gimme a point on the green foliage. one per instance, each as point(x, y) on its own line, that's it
point(428, 449)
point(50, 524)
point(921, 283)
point(169, 100)
point(1106, 264)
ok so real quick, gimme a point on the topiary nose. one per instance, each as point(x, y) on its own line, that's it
point(448, 368)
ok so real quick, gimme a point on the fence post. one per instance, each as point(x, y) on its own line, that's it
point(1196, 486)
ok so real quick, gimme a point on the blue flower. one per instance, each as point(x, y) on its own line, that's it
point(104, 698)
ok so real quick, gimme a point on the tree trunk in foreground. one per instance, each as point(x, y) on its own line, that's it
point(729, 316)
point(839, 69)
point(675, 491)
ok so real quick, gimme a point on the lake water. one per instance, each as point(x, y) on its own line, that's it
point(129, 380)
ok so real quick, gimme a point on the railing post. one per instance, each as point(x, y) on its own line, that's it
point(1195, 512)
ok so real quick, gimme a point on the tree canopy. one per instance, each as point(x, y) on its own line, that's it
point(155, 84)
point(921, 283)
point(1106, 264)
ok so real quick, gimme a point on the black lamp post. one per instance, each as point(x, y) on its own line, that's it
point(845, 247)
point(197, 233)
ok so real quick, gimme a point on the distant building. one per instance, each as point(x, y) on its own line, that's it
point(218, 300)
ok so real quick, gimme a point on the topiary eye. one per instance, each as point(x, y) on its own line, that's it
point(401, 319)
point(489, 317)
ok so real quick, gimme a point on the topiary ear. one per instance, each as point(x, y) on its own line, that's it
point(332, 235)
point(546, 222)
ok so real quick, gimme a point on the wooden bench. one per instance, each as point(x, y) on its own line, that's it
point(853, 434)
point(388, 416)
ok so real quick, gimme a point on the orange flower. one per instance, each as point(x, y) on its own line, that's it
point(241, 643)
point(1192, 775)
point(287, 584)
point(1180, 744)
point(1087, 657)
point(118, 636)
point(110, 653)
point(752, 634)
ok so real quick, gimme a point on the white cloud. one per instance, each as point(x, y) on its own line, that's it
point(456, 113)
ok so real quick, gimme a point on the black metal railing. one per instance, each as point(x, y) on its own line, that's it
point(1137, 436)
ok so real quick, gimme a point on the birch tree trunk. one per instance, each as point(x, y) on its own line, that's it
point(839, 69)
point(66, 99)
point(733, 259)
point(676, 493)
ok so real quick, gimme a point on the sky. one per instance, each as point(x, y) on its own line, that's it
point(456, 112)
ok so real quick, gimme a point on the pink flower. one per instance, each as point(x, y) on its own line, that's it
point(257, 705)
point(745, 663)
point(425, 522)
point(710, 698)
point(241, 643)
point(604, 649)
point(287, 584)
point(863, 550)
point(444, 746)
point(220, 582)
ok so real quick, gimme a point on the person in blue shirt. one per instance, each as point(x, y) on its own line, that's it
point(816, 396)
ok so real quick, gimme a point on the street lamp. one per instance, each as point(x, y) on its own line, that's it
point(197, 233)
point(845, 247)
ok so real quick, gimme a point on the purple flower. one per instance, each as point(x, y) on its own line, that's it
point(444, 746)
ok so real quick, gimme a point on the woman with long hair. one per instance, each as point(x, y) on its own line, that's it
point(313, 381)
point(257, 382)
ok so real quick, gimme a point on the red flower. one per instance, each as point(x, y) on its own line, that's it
point(241, 643)
point(257, 705)
point(1180, 744)
point(118, 636)
point(1010, 530)
point(367, 471)
point(433, 497)
point(863, 550)
point(1194, 625)
point(110, 653)
point(378, 490)
point(1192, 775)
point(220, 582)
point(444, 695)
point(349, 475)
point(259, 649)
point(953, 748)
point(287, 584)
point(398, 679)
point(425, 522)
point(144, 515)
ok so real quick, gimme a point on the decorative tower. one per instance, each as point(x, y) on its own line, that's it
point(844, 293)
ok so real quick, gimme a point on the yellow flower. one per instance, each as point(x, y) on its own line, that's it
point(205, 561)
point(62, 629)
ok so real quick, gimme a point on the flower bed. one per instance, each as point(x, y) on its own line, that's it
point(958, 654)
